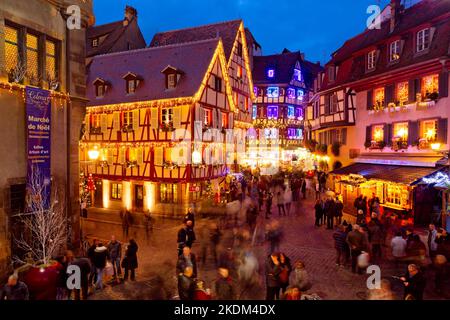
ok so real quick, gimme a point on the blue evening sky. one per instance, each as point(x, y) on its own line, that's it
point(314, 27)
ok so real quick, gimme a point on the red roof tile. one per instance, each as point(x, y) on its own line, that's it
point(193, 58)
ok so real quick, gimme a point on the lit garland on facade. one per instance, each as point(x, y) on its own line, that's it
point(162, 103)
point(11, 87)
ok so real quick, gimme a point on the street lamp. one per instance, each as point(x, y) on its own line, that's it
point(93, 154)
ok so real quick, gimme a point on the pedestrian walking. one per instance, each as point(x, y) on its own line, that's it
point(375, 229)
point(269, 198)
point(185, 237)
point(280, 204)
point(126, 222)
point(318, 213)
point(90, 255)
point(85, 269)
point(330, 212)
point(224, 285)
point(303, 188)
point(339, 209)
point(432, 245)
point(190, 216)
point(186, 284)
point(398, 247)
point(286, 268)
point(130, 261)
point(274, 236)
point(15, 289)
point(356, 243)
point(187, 259)
point(288, 200)
point(340, 245)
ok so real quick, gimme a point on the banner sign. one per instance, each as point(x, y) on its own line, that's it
point(38, 121)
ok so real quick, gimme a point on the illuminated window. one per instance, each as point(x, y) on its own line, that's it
point(224, 120)
point(171, 80)
point(371, 57)
point(99, 90)
point(272, 112)
point(428, 130)
point(116, 191)
point(430, 84)
point(132, 154)
point(128, 119)
point(402, 93)
point(291, 112)
point(208, 116)
point(11, 48)
point(235, 98)
point(131, 86)
point(394, 51)
point(50, 60)
point(378, 133)
point(168, 155)
point(423, 40)
point(273, 92)
point(167, 116)
point(393, 194)
point(255, 112)
point(95, 42)
point(95, 121)
point(32, 50)
point(270, 73)
point(379, 97)
point(290, 93)
point(300, 95)
point(401, 131)
point(239, 72)
point(297, 75)
point(299, 113)
point(168, 193)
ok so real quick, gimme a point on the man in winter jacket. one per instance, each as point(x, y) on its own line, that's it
point(375, 236)
point(224, 285)
point(356, 243)
point(115, 255)
point(340, 244)
point(414, 282)
point(185, 237)
point(14, 289)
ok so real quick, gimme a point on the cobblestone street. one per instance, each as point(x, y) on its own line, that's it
point(302, 241)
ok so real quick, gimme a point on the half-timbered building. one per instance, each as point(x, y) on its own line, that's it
point(158, 122)
point(283, 84)
point(399, 74)
point(240, 47)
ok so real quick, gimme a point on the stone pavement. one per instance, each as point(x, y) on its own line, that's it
point(303, 241)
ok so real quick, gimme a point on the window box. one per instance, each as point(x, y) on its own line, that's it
point(169, 165)
point(398, 144)
point(377, 145)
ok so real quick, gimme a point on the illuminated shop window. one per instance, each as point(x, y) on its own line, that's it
point(379, 98)
point(168, 193)
point(394, 195)
point(300, 95)
point(430, 85)
point(224, 120)
point(11, 48)
point(402, 93)
point(378, 133)
point(299, 113)
point(116, 191)
point(401, 131)
point(273, 92)
point(428, 130)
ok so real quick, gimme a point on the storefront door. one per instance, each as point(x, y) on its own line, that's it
point(139, 197)
point(98, 194)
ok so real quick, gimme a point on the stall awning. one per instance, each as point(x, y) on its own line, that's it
point(399, 174)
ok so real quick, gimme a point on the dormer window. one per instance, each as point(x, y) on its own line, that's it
point(423, 40)
point(95, 42)
point(239, 49)
point(331, 73)
point(100, 87)
point(394, 51)
point(371, 60)
point(132, 82)
point(172, 75)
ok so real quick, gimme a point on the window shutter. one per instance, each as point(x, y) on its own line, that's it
point(402, 45)
point(412, 90)
point(443, 84)
point(417, 86)
point(154, 118)
point(177, 117)
point(368, 133)
point(388, 134)
point(158, 156)
point(344, 136)
point(413, 132)
point(116, 120)
point(442, 131)
point(110, 156)
point(104, 123)
point(389, 94)
point(231, 120)
point(121, 155)
point(140, 155)
point(369, 99)
point(377, 57)
point(136, 120)
point(432, 31)
point(88, 123)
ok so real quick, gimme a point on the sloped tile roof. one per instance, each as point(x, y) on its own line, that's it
point(225, 30)
point(192, 58)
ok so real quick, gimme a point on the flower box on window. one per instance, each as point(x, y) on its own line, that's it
point(399, 144)
point(169, 165)
point(103, 163)
point(377, 145)
point(423, 144)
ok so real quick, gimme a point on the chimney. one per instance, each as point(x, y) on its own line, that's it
point(130, 14)
point(395, 11)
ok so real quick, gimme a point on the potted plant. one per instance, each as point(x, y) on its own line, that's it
point(43, 239)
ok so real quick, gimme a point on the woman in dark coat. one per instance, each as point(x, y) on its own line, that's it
point(130, 262)
point(318, 213)
point(286, 269)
